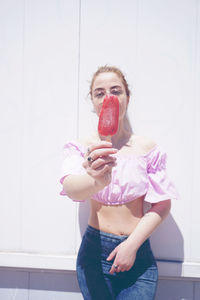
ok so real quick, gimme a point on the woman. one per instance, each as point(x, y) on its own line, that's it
point(115, 259)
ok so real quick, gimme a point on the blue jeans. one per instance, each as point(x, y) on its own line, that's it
point(95, 281)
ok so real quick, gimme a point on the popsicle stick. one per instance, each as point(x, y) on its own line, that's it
point(108, 138)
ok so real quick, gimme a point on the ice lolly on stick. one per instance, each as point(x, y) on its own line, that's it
point(109, 116)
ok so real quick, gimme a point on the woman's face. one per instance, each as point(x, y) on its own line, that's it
point(109, 83)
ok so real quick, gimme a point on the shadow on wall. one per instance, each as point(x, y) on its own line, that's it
point(166, 241)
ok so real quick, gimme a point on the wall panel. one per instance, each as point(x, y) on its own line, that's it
point(39, 71)
point(165, 83)
point(155, 44)
point(195, 203)
point(11, 93)
point(49, 119)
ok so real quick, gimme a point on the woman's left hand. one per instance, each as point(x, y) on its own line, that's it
point(124, 255)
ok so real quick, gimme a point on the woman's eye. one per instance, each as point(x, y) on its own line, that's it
point(99, 95)
point(116, 92)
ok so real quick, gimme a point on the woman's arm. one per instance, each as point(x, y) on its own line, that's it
point(80, 187)
point(125, 253)
point(98, 172)
point(149, 222)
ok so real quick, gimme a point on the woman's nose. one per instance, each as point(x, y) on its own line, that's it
point(107, 95)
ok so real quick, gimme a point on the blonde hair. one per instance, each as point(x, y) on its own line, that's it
point(107, 69)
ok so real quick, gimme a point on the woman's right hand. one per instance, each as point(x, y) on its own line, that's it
point(101, 163)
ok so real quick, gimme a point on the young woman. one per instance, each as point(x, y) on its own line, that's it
point(115, 259)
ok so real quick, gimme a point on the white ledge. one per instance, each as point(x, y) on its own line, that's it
point(68, 263)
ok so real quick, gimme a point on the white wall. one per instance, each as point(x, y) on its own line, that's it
point(49, 51)
point(39, 99)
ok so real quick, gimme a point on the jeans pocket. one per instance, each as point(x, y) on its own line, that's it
point(106, 266)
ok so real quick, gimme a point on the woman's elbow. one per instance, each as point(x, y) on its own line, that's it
point(162, 208)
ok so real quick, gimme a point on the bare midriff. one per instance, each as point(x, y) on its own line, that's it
point(117, 219)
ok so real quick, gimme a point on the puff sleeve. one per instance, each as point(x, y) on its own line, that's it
point(160, 186)
point(72, 162)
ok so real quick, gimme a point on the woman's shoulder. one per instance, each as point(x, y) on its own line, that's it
point(75, 145)
point(145, 143)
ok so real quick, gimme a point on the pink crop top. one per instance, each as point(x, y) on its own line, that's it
point(132, 177)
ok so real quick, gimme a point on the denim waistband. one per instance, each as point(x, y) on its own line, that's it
point(93, 233)
point(98, 233)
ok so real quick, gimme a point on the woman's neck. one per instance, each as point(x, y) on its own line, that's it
point(121, 138)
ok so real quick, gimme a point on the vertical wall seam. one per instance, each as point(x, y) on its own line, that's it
point(195, 69)
point(21, 128)
point(78, 103)
point(135, 88)
point(78, 68)
point(29, 274)
point(193, 291)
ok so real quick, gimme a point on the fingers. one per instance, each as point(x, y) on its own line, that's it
point(102, 161)
point(100, 144)
point(101, 164)
point(100, 148)
point(103, 152)
point(111, 255)
point(115, 266)
point(113, 270)
point(118, 265)
point(97, 157)
point(99, 161)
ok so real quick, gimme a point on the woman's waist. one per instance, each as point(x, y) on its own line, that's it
point(117, 219)
point(119, 225)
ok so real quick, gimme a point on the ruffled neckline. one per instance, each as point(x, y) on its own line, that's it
point(137, 155)
point(83, 149)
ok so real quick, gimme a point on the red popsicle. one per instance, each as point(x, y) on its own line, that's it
point(109, 116)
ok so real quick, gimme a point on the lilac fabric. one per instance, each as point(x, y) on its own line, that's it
point(132, 177)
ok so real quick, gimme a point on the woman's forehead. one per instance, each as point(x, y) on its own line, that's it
point(107, 78)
